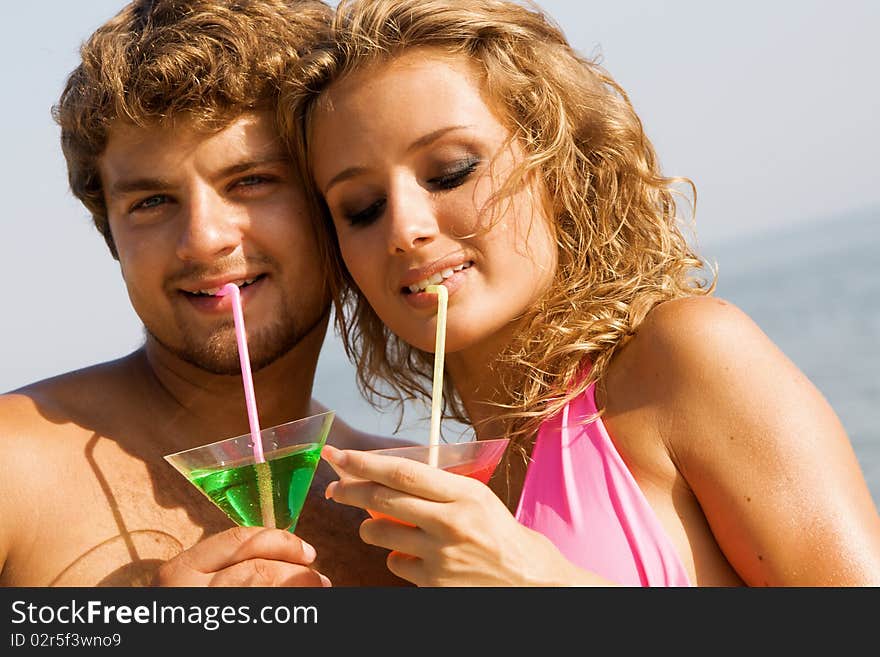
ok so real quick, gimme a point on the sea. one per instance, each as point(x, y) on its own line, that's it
point(812, 289)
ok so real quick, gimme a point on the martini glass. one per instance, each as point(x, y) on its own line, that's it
point(227, 473)
point(476, 459)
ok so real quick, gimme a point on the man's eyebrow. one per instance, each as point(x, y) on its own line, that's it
point(241, 167)
point(421, 142)
point(158, 184)
point(124, 186)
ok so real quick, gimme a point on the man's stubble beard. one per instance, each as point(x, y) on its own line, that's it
point(218, 353)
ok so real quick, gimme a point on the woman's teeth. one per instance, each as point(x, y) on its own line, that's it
point(438, 278)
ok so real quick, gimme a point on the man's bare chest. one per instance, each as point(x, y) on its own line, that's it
point(113, 520)
point(107, 519)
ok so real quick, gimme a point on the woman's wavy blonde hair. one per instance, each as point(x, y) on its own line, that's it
point(620, 247)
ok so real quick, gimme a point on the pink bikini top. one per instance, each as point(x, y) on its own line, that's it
point(579, 493)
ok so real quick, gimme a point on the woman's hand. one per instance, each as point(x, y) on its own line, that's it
point(458, 532)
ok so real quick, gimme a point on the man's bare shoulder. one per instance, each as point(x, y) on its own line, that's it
point(45, 429)
point(72, 398)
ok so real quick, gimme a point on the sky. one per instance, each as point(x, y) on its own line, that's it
point(770, 108)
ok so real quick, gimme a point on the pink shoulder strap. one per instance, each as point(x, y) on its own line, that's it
point(579, 493)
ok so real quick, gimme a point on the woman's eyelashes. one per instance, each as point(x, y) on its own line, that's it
point(450, 178)
point(456, 175)
point(367, 215)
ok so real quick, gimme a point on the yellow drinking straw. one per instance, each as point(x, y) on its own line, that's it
point(437, 390)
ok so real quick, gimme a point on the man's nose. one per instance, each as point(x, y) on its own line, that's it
point(210, 228)
point(412, 218)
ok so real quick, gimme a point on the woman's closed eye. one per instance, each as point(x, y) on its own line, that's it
point(367, 215)
point(456, 176)
point(450, 178)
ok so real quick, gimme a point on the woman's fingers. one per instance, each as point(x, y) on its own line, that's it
point(392, 535)
point(386, 501)
point(407, 567)
point(406, 475)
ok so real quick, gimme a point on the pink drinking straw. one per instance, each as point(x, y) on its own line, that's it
point(232, 290)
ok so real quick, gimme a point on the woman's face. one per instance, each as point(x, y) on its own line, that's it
point(407, 154)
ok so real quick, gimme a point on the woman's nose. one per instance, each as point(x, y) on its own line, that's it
point(412, 219)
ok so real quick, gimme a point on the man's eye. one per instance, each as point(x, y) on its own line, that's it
point(249, 181)
point(366, 216)
point(455, 177)
point(150, 202)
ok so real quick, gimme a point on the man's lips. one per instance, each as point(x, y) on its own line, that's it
point(204, 297)
point(211, 287)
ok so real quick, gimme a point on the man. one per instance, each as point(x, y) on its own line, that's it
point(169, 134)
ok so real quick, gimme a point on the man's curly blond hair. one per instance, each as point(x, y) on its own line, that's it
point(158, 61)
point(621, 247)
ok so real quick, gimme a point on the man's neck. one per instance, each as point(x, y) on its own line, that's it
point(216, 403)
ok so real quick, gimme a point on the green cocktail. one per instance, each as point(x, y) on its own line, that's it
point(235, 488)
point(228, 474)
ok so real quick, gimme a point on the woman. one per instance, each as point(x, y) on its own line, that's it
point(667, 441)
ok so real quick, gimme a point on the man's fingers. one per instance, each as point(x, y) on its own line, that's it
point(275, 544)
point(266, 572)
point(242, 543)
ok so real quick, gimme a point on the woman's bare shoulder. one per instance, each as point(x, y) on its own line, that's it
point(720, 391)
point(739, 419)
point(704, 342)
point(696, 326)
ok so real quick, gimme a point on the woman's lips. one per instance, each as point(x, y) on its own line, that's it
point(437, 277)
point(422, 300)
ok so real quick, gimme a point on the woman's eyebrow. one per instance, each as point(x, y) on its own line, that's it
point(421, 142)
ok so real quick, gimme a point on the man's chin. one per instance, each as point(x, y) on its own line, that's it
point(219, 355)
point(224, 363)
point(221, 368)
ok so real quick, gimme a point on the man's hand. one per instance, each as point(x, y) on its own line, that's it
point(244, 556)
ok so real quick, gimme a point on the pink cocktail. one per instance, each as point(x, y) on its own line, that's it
point(476, 459)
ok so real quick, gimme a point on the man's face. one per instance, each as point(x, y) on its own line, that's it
point(191, 211)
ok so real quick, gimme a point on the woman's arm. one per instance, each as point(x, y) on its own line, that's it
point(762, 450)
